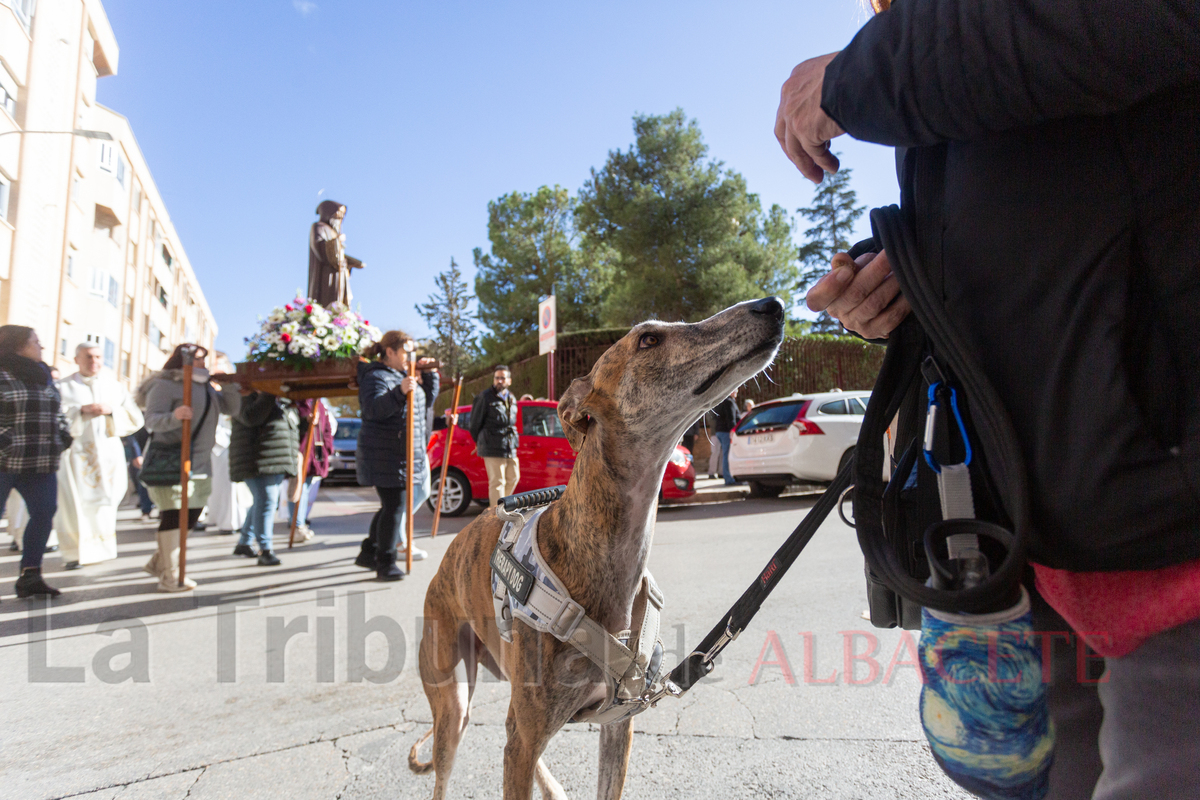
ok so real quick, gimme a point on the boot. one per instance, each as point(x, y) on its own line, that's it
point(387, 569)
point(30, 583)
point(244, 550)
point(366, 555)
point(268, 559)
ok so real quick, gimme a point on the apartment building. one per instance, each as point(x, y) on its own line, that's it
point(87, 250)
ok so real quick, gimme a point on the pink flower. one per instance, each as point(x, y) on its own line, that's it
point(288, 307)
point(308, 309)
point(287, 337)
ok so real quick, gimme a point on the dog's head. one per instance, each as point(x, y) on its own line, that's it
point(661, 376)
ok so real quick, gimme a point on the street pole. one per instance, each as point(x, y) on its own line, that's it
point(411, 347)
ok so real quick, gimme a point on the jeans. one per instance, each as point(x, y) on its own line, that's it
point(144, 502)
point(723, 438)
point(260, 521)
point(308, 496)
point(387, 526)
point(40, 492)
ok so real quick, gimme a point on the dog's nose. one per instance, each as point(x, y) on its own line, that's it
point(769, 307)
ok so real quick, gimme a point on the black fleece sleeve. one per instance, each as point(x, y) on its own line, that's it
point(928, 71)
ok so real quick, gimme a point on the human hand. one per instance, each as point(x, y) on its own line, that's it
point(408, 384)
point(426, 364)
point(103, 409)
point(801, 126)
point(89, 410)
point(182, 412)
point(136, 461)
point(451, 418)
point(862, 294)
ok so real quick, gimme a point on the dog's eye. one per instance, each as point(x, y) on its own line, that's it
point(647, 340)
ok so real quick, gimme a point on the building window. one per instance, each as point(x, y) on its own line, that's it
point(24, 11)
point(121, 169)
point(114, 292)
point(155, 336)
point(8, 93)
point(167, 256)
point(99, 284)
point(162, 295)
point(110, 353)
point(125, 365)
point(5, 190)
point(107, 156)
point(129, 308)
point(71, 267)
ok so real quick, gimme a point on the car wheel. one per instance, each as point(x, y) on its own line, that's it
point(457, 497)
point(846, 456)
point(764, 490)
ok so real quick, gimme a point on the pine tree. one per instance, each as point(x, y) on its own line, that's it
point(834, 213)
point(452, 324)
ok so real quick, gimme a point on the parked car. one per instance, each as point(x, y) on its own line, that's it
point(345, 446)
point(804, 437)
point(545, 456)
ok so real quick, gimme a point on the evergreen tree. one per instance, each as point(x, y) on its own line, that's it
point(833, 213)
point(452, 324)
point(534, 251)
point(679, 234)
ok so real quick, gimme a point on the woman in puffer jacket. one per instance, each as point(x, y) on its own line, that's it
point(264, 451)
point(160, 396)
point(383, 387)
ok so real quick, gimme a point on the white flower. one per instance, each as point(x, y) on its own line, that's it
point(297, 314)
point(321, 332)
point(294, 347)
point(281, 347)
point(331, 343)
point(276, 316)
point(289, 327)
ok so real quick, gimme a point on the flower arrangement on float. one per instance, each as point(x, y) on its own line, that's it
point(302, 333)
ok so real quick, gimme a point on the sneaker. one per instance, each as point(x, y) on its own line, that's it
point(52, 548)
point(268, 559)
point(245, 550)
point(304, 535)
point(145, 517)
point(14, 547)
point(391, 572)
point(419, 554)
point(167, 584)
point(72, 565)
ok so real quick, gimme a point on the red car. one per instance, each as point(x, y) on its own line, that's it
point(545, 457)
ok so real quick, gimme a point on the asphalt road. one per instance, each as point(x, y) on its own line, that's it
point(117, 691)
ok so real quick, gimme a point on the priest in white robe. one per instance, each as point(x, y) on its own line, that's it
point(92, 475)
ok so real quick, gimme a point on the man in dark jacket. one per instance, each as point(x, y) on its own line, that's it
point(493, 426)
point(264, 450)
point(727, 417)
point(1051, 151)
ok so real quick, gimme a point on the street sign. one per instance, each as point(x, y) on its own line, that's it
point(547, 326)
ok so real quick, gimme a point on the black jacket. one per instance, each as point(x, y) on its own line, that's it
point(381, 439)
point(494, 424)
point(1055, 146)
point(727, 415)
point(264, 439)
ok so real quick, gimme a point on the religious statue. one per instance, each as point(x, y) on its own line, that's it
point(328, 265)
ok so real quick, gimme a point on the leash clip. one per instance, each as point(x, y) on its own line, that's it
point(720, 644)
point(937, 393)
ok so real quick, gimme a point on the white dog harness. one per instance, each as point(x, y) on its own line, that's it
point(525, 588)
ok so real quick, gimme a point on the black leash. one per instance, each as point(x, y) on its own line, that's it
point(700, 662)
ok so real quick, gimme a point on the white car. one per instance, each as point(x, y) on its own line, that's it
point(804, 437)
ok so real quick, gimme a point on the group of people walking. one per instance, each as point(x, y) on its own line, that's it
point(69, 447)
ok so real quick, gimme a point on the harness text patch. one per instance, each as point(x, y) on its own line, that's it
point(516, 577)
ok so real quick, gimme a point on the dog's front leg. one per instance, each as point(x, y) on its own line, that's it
point(522, 751)
point(616, 741)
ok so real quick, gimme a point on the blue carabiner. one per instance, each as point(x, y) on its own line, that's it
point(930, 426)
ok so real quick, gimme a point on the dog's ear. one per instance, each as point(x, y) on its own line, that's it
point(572, 412)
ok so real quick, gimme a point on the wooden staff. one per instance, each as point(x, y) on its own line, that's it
point(437, 510)
point(185, 456)
point(308, 448)
point(411, 348)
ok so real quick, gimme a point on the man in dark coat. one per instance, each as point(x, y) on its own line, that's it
point(1050, 153)
point(328, 265)
point(493, 426)
point(727, 418)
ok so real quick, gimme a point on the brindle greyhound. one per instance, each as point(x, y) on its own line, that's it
point(624, 419)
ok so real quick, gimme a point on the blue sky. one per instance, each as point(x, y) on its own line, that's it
point(415, 115)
